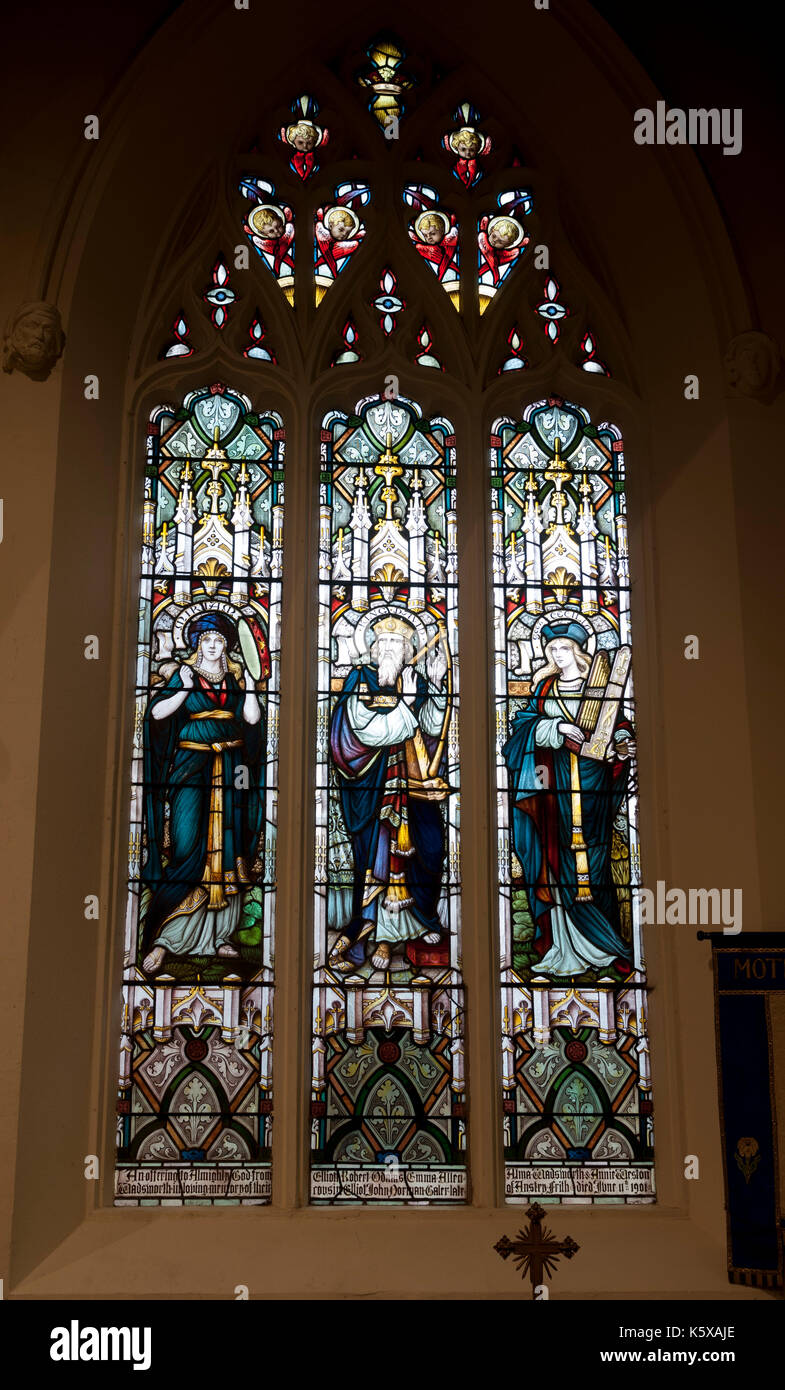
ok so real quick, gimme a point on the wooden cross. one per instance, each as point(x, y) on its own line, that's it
point(536, 1251)
point(388, 468)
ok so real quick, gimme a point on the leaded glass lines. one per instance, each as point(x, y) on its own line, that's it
point(195, 1093)
point(388, 1099)
point(576, 1081)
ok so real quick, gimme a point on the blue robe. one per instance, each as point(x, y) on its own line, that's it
point(375, 799)
point(184, 777)
point(542, 830)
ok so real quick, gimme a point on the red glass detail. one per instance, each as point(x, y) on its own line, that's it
point(576, 1051)
point(438, 957)
point(196, 1050)
point(389, 1053)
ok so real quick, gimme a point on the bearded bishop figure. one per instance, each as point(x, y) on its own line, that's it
point(387, 738)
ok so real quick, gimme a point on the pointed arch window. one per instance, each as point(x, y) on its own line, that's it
point(195, 1096)
point(402, 243)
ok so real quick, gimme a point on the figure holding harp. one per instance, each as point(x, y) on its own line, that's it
point(568, 761)
point(388, 738)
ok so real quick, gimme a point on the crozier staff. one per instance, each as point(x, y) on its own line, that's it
point(386, 713)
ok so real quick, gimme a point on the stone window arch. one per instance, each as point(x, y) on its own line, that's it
point(116, 270)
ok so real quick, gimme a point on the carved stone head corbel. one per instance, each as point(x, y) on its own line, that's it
point(33, 340)
point(752, 366)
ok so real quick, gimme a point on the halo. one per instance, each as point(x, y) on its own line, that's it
point(432, 212)
point(348, 212)
point(193, 610)
point(265, 207)
point(507, 217)
point(375, 615)
point(558, 615)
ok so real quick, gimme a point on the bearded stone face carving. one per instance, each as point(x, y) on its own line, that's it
point(752, 365)
point(33, 340)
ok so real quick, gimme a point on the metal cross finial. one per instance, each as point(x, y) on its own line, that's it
point(388, 468)
point(557, 473)
point(216, 463)
point(557, 470)
point(536, 1251)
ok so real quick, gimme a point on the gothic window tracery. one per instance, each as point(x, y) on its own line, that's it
point(404, 244)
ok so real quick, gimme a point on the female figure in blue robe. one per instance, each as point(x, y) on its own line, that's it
point(199, 729)
point(573, 933)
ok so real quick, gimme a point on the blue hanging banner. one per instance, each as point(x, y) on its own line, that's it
point(744, 975)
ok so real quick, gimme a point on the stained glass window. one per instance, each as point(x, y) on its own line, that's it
point(304, 137)
point(425, 355)
point(577, 1109)
point(195, 1100)
point(180, 347)
point(551, 310)
point(434, 233)
point(591, 362)
point(388, 1113)
point(388, 303)
point(389, 1092)
point(386, 80)
point(270, 228)
point(515, 360)
point(348, 353)
point(257, 347)
point(501, 240)
point(467, 145)
point(338, 232)
point(219, 295)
